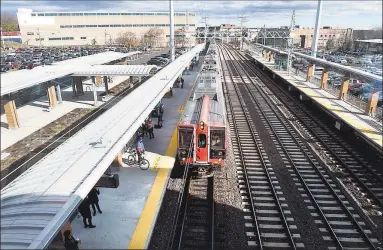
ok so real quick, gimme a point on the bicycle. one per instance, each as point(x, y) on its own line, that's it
point(142, 163)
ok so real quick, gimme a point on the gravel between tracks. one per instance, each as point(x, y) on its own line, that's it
point(229, 218)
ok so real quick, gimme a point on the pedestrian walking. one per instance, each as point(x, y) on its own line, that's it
point(70, 242)
point(86, 213)
point(150, 129)
point(182, 83)
point(93, 198)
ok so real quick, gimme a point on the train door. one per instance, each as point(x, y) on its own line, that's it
point(202, 144)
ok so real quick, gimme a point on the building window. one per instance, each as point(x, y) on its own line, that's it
point(83, 38)
point(54, 38)
point(321, 35)
point(30, 33)
point(40, 14)
point(33, 14)
point(325, 35)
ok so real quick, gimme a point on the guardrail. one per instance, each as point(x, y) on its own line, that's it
point(351, 99)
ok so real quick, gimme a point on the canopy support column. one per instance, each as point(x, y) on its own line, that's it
point(52, 96)
point(94, 90)
point(11, 115)
point(106, 85)
point(59, 96)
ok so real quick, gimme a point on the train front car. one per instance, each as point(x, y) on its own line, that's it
point(202, 131)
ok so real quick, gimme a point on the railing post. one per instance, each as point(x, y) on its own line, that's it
point(323, 81)
point(310, 72)
point(372, 103)
point(343, 88)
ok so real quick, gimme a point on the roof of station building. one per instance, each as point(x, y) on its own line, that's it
point(21, 79)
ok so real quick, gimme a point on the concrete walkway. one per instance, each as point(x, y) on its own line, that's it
point(124, 207)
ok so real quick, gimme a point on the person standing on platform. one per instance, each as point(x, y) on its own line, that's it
point(86, 213)
point(182, 83)
point(140, 148)
point(93, 197)
point(70, 242)
point(144, 129)
point(150, 129)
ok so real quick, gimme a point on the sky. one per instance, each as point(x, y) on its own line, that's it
point(362, 14)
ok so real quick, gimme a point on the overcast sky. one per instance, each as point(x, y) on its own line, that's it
point(355, 14)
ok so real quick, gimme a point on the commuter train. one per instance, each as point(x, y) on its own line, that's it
point(202, 130)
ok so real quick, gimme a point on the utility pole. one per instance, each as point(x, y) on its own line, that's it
point(38, 33)
point(264, 34)
point(243, 20)
point(105, 37)
point(290, 42)
point(205, 21)
point(171, 40)
point(314, 45)
point(2, 38)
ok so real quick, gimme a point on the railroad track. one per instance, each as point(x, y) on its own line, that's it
point(269, 224)
point(197, 219)
point(337, 221)
point(365, 183)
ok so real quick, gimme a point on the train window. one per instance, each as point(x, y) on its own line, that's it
point(202, 141)
point(186, 136)
point(217, 139)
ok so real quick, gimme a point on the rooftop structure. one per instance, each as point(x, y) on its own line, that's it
point(82, 28)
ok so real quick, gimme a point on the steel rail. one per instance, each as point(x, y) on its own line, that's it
point(330, 134)
point(344, 207)
point(265, 169)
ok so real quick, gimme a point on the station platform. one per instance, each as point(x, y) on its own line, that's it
point(130, 211)
point(341, 110)
point(35, 115)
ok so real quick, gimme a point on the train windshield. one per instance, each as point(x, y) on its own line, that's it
point(217, 138)
point(186, 136)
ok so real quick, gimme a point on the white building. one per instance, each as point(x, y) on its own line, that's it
point(80, 28)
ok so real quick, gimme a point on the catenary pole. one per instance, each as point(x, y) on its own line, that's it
point(171, 40)
point(314, 45)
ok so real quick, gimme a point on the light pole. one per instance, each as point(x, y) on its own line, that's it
point(314, 45)
point(171, 40)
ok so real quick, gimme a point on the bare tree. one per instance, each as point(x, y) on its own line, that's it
point(179, 37)
point(153, 37)
point(127, 39)
point(93, 42)
point(9, 22)
point(377, 33)
point(330, 44)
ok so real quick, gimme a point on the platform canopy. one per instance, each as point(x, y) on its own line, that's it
point(21, 79)
point(116, 70)
point(36, 205)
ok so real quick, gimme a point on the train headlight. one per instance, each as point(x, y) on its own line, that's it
point(183, 152)
point(183, 159)
point(201, 125)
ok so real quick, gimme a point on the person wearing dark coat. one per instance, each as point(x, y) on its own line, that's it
point(93, 198)
point(86, 213)
point(70, 243)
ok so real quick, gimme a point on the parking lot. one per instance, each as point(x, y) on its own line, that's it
point(28, 58)
point(359, 88)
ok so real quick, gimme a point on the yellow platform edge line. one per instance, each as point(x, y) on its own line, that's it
point(144, 224)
